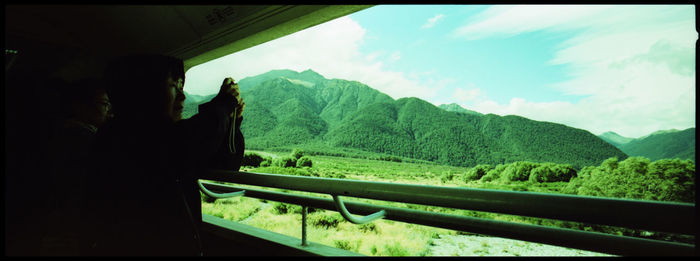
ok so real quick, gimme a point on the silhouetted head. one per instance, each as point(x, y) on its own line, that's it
point(146, 87)
point(87, 101)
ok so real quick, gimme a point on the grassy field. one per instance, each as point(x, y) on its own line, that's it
point(381, 237)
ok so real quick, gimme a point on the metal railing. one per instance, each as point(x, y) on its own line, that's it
point(670, 217)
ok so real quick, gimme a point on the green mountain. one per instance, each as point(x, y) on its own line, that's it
point(663, 145)
point(615, 139)
point(304, 78)
point(659, 132)
point(192, 101)
point(286, 109)
point(456, 108)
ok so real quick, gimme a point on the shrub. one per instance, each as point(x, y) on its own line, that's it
point(369, 227)
point(490, 176)
point(304, 162)
point(447, 176)
point(325, 219)
point(342, 244)
point(477, 172)
point(566, 172)
point(286, 162)
point(677, 179)
point(297, 153)
point(390, 158)
point(284, 208)
point(518, 171)
point(332, 174)
point(572, 186)
point(539, 174)
point(266, 163)
point(550, 172)
point(252, 159)
point(493, 174)
point(395, 250)
point(610, 164)
point(637, 178)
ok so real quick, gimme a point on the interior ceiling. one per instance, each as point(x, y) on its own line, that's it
point(196, 34)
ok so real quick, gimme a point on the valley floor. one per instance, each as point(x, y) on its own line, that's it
point(383, 237)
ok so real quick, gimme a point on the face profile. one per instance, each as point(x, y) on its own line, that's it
point(175, 98)
point(102, 111)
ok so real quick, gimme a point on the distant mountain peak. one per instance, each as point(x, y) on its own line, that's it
point(457, 108)
point(660, 132)
point(610, 133)
point(615, 139)
point(309, 71)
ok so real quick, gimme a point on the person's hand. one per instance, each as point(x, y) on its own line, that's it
point(239, 110)
point(230, 87)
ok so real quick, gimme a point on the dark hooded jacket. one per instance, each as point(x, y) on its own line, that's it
point(142, 196)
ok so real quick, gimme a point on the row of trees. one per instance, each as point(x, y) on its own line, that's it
point(295, 159)
point(637, 178)
point(633, 178)
point(521, 171)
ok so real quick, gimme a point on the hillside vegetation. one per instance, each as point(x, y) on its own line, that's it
point(287, 109)
point(679, 144)
point(663, 144)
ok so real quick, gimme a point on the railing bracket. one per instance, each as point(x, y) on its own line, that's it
point(349, 217)
point(219, 195)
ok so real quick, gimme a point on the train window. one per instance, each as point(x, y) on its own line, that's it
point(594, 100)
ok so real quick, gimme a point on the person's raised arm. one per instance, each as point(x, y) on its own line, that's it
point(206, 136)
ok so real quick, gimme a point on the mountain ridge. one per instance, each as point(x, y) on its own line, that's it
point(284, 111)
point(615, 139)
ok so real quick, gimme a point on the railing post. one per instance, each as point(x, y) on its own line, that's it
point(304, 211)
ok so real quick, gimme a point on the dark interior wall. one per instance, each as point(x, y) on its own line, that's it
point(42, 59)
point(32, 83)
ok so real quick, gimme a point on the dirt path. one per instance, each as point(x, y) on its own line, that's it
point(464, 245)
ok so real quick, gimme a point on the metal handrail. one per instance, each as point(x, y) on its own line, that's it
point(637, 214)
point(593, 241)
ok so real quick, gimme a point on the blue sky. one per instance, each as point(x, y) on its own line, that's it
point(627, 69)
point(429, 45)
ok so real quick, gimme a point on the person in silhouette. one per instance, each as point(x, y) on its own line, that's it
point(86, 107)
point(143, 197)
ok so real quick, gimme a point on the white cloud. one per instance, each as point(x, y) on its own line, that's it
point(371, 57)
point(643, 99)
point(395, 56)
point(331, 49)
point(463, 95)
point(431, 21)
point(634, 64)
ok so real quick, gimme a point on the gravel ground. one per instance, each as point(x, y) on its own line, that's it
point(466, 245)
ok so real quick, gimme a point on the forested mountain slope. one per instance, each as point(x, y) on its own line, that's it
point(286, 108)
point(664, 145)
